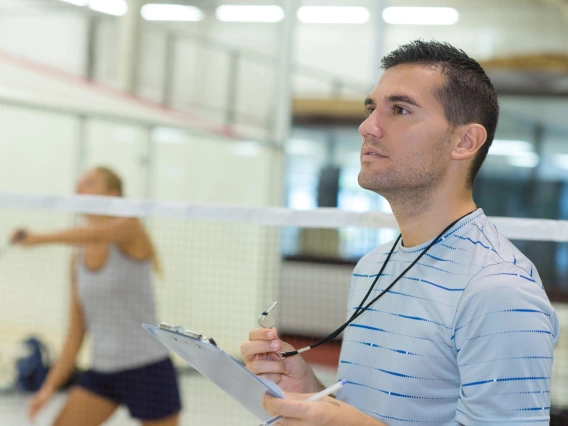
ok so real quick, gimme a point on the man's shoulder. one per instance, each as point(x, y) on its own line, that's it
point(485, 246)
point(504, 271)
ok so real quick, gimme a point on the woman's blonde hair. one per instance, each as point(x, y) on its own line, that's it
point(114, 184)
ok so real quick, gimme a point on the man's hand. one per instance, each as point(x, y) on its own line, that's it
point(296, 411)
point(291, 374)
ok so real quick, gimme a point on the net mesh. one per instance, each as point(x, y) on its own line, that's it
point(218, 276)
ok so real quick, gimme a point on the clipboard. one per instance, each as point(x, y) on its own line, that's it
point(218, 366)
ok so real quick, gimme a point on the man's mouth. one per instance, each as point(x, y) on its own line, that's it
point(370, 154)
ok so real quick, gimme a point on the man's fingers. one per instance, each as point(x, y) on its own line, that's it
point(250, 349)
point(274, 357)
point(289, 422)
point(263, 334)
point(272, 377)
point(286, 407)
point(261, 366)
point(298, 396)
point(270, 406)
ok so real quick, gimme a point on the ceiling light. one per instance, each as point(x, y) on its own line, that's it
point(110, 7)
point(420, 15)
point(77, 2)
point(509, 147)
point(333, 15)
point(230, 13)
point(171, 12)
point(527, 159)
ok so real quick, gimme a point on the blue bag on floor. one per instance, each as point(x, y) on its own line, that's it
point(32, 369)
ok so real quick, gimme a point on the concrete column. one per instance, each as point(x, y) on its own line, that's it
point(283, 91)
point(129, 46)
point(378, 44)
point(281, 123)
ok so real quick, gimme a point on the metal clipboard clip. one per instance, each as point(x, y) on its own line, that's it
point(182, 331)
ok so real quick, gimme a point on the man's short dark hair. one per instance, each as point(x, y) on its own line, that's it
point(468, 96)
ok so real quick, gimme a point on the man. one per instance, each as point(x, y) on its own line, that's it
point(466, 335)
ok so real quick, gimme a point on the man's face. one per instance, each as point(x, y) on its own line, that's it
point(406, 136)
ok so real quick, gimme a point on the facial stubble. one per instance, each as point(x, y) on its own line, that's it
point(409, 186)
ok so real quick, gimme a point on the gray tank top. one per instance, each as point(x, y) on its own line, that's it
point(117, 299)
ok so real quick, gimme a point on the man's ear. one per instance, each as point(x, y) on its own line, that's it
point(471, 139)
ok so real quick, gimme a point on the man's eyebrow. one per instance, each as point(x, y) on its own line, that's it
point(369, 101)
point(403, 98)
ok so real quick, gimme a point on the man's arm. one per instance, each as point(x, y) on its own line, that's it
point(505, 331)
point(325, 412)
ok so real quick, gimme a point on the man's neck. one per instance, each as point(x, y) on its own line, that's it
point(423, 216)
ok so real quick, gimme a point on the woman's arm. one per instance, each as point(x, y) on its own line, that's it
point(62, 369)
point(119, 230)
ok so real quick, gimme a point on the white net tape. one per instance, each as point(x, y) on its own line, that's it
point(512, 228)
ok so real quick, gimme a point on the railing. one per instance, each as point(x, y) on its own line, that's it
point(336, 85)
point(241, 85)
point(229, 85)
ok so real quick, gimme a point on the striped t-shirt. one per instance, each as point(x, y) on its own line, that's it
point(466, 337)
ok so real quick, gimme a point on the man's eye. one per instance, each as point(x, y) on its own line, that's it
point(398, 110)
point(370, 111)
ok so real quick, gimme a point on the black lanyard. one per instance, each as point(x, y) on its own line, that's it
point(360, 309)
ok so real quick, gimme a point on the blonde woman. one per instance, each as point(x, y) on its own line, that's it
point(111, 296)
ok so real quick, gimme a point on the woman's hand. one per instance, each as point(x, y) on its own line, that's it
point(39, 400)
point(24, 238)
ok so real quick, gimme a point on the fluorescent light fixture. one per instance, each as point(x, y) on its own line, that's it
point(527, 159)
point(333, 15)
point(110, 7)
point(77, 2)
point(235, 13)
point(246, 149)
point(420, 15)
point(561, 161)
point(509, 147)
point(171, 12)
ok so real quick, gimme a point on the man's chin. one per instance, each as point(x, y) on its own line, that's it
point(371, 184)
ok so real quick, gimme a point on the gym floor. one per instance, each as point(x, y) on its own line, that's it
point(204, 405)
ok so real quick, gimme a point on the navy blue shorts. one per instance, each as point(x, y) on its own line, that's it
point(150, 392)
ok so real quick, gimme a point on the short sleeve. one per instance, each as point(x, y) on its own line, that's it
point(505, 331)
